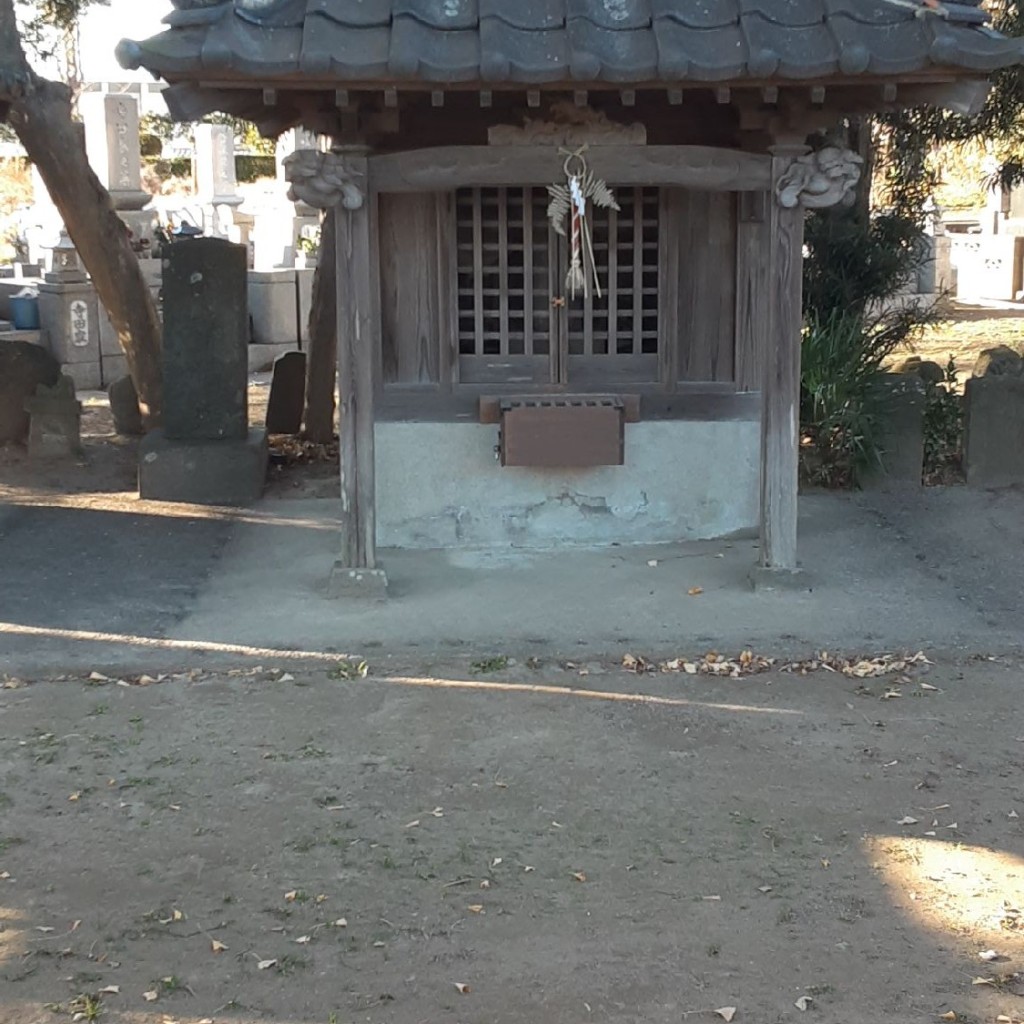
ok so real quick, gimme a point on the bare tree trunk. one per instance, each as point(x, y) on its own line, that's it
point(40, 113)
point(322, 357)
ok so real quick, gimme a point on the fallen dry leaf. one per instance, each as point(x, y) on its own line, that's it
point(983, 981)
point(265, 965)
point(463, 988)
point(341, 923)
point(696, 592)
point(75, 797)
point(726, 1013)
point(496, 861)
point(527, 868)
point(217, 946)
point(322, 898)
point(652, 563)
point(413, 824)
point(291, 897)
point(579, 876)
point(111, 990)
point(98, 677)
point(948, 1016)
point(287, 678)
point(803, 1003)
point(485, 884)
point(476, 908)
point(304, 940)
point(765, 889)
point(990, 955)
point(907, 820)
point(150, 996)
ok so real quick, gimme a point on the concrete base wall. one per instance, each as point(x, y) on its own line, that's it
point(439, 485)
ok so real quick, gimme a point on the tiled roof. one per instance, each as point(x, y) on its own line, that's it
point(533, 42)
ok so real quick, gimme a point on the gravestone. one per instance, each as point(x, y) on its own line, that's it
point(216, 181)
point(994, 431)
point(112, 142)
point(900, 401)
point(124, 407)
point(23, 367)
point(205, 452)
point(999, 361)
point(287, 394)
point(55, 421)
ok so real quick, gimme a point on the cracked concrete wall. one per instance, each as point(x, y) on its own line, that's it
point(439, 485)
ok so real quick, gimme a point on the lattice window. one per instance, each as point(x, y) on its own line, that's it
point(513, 324)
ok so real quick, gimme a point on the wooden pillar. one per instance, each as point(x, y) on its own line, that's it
point(356, 571)
point(780, 393)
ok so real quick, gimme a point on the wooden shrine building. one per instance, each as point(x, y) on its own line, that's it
point(627, 373)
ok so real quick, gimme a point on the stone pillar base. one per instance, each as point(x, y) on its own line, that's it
point(364, 584)
point(764, 578)
point(231, 472)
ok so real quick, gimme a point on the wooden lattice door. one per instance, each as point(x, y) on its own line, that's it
point(516, 323)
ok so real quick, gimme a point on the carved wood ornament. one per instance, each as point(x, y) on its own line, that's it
point(323, 180)
point(823, 178)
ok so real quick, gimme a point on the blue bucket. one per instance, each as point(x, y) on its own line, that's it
point(25, 312)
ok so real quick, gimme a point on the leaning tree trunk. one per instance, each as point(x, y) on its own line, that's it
point(40, 113)
point(322, 357)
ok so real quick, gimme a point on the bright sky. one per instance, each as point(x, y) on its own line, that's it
point(104, 27)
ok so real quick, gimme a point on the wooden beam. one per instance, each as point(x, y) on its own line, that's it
point(357, 345)
point(753, 258)
point(780, 397)
point(700, 167)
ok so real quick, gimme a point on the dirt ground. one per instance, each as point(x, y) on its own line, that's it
point(513, 843)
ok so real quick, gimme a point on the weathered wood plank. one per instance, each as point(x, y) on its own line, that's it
point(448, 283)
point(357, 343)
point(700, 167)
point(752, 262)
point(670, 202)
point(638, 271)
point(780, 404)
point(707, 282)
point(503, 285)
point(410, 288)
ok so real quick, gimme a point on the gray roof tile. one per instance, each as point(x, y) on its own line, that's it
point(532, 42)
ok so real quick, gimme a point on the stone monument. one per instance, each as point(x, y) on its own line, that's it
point(70, 312)
point(205, 453)
point(55, 421)
point(112, 141)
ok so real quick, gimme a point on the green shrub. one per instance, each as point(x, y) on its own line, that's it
point(842, 358)
point(943, 429)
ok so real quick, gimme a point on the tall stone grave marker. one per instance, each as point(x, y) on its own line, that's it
point(216, 181)
point(206, 453)
point(112, 141)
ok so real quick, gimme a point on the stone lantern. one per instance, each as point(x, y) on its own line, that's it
point(66, 265)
